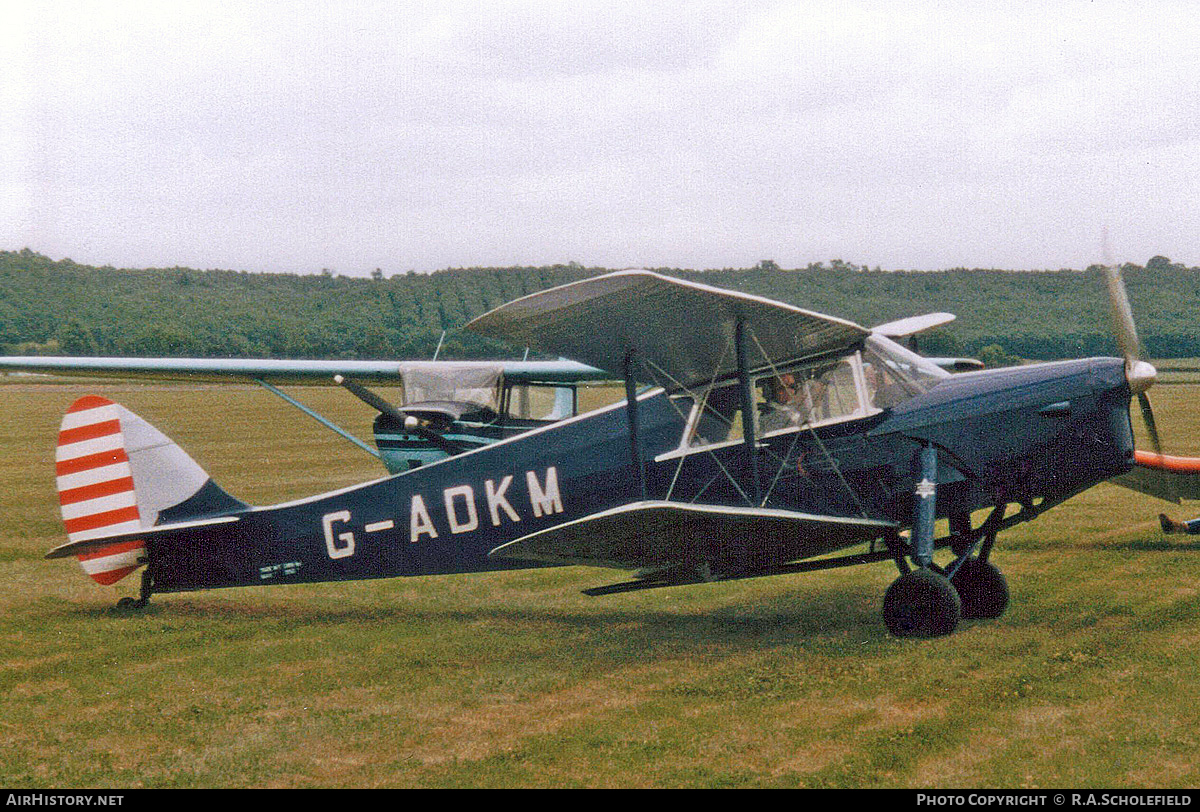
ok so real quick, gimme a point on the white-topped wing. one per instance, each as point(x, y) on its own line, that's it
point(681, 333)
point(280, 370)
point(902, 328)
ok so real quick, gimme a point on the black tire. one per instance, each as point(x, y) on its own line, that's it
point(921, 604)
point(982, 589)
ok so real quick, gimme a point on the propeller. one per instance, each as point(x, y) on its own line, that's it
point(411, 424)
point(1140, 374)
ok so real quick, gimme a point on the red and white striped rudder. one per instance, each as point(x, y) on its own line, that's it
point(115, 474)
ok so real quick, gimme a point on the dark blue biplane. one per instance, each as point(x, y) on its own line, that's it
point(756, 439)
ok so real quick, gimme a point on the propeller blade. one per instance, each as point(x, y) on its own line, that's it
point(410, 423)
point(1166, 483)
point(1151, 426)
point(1122, 314)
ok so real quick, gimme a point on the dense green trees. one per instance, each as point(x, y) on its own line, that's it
point(62, 307)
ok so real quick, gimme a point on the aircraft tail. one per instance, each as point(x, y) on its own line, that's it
point(117, 475)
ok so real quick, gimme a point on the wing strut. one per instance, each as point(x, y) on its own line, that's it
point(323, 421)
point(631, 410)
point(748, 411)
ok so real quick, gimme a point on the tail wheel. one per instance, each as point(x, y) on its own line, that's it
point(921, 604)
point(982, 589)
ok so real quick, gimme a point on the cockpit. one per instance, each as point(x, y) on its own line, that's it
point(879, 376)
point(480, 393)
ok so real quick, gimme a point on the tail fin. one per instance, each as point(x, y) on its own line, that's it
point(117, 474)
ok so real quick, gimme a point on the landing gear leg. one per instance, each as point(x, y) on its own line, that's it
point(980, 584)
point(922, 602)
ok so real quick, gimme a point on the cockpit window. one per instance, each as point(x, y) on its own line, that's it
point(894, 374)
point(807, 396)
point(539, 402)
point(476, 384)
point(785, 399)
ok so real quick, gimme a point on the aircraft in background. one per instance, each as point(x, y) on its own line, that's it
point(756, 439)
point(447, 407)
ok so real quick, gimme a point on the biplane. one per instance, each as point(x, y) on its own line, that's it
point(755, 439)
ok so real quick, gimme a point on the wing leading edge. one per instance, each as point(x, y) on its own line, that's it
point(654, 535)
point(278, 370)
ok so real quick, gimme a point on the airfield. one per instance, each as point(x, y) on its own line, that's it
point(1091, 679)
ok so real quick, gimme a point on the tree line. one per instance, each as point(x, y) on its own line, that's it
point(62, 307)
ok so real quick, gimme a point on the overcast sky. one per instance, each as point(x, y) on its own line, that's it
point(295, 136)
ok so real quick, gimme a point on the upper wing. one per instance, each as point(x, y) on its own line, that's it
point(657, 535)
point(677, 328)
point(274, 370)
point(1166, 477)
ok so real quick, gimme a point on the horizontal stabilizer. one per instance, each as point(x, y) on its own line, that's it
point(655, 535)
point(1166, 477)
point(90, 545)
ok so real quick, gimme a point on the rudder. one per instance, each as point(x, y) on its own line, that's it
point(117, 474)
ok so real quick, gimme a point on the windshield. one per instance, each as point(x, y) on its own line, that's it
point(477, 384)
point(894, 374)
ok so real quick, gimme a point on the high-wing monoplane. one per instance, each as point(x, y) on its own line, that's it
point(446, 407)
point(756, 438)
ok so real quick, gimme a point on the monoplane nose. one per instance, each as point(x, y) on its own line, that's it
point(1141, 376)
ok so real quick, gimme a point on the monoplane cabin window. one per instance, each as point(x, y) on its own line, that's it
point(477, 385)
point(524, 401)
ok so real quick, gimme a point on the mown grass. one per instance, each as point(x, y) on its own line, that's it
point(516, 679)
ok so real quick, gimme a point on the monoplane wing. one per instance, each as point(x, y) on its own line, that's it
point(906, 328)
point(680, 333)
point(1165, 477)
point(654, 535)
point(902, 328)
point(277, 370)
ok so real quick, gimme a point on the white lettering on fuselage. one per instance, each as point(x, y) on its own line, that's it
point(462, 511)
point(346, 547)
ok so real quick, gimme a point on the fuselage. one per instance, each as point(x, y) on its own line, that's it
point(1038, 432)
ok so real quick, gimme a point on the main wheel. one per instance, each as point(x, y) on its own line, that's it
point(981, 588)
point(921, 604)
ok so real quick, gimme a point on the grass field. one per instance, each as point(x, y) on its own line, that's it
point(516, 679)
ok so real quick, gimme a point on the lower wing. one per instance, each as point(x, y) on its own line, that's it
point(657, 535)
